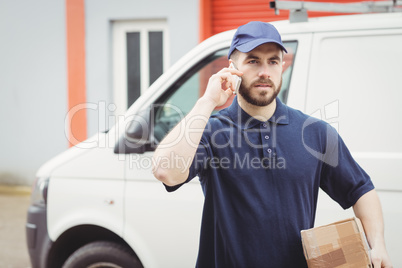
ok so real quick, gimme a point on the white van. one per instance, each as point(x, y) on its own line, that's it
point(98, 202)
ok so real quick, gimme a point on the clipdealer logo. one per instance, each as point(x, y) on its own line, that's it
point(106, 119)
point(236, 161)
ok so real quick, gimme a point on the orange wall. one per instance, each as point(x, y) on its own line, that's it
point(75, 24)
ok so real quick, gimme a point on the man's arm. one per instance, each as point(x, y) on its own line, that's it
point(368, 210)
point(182, 142)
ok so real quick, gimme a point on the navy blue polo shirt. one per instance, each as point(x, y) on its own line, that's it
point(261, 182)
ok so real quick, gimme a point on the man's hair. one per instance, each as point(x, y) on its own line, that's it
point(234, 54)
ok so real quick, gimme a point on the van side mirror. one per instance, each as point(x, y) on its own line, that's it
point(138, 137)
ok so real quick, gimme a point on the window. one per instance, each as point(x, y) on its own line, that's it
point(180, 98)
point(291, 47)
point(139, 58)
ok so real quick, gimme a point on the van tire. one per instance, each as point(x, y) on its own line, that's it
point(103, 254)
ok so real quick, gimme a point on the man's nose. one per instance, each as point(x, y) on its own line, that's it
point(264, 71)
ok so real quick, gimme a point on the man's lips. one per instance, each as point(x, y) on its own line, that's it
point(263, 85)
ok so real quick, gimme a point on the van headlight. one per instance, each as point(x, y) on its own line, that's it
point(39, 192)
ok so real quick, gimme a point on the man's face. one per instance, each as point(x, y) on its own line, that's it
point(262, 74)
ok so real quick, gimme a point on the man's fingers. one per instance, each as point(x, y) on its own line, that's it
point(219, 87)
point(231, 71)
point(376, 262)
point(229, 92)
point(226, 80)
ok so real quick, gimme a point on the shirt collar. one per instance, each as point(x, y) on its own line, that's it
point(243, 119)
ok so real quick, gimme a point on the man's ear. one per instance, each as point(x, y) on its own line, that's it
point(234, 63)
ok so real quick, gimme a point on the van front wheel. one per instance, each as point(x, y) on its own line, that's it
point(102, 254)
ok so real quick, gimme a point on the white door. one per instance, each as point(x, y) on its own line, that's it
point(360, 71)
point(140, 56)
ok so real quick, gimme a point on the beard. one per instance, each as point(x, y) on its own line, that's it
point(263, 98)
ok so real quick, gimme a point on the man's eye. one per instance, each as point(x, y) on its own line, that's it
point(252, 62)
point(273, 62)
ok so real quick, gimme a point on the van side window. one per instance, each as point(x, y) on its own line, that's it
point(180, 99)
point(288, 58)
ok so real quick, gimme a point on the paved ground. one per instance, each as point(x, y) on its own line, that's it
point(14, 202)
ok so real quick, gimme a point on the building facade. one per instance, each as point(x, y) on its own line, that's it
point(64, 69)
point(70, 68)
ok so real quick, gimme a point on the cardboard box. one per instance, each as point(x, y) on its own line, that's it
point(341, 244)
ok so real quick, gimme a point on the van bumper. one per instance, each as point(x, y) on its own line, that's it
point(38, 240)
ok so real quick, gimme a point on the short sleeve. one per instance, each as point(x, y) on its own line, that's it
point(342, 178)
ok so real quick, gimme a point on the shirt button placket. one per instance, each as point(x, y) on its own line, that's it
point(267, 151)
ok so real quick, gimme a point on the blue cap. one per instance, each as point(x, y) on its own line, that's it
point(253, 34)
